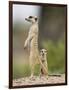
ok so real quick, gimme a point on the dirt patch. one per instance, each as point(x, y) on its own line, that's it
point(36, 80)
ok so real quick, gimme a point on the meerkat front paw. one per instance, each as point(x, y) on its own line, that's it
point(24, 47)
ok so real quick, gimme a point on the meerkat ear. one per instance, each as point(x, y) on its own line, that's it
point(30, 16)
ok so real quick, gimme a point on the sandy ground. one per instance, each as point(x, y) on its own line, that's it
point(36, 80)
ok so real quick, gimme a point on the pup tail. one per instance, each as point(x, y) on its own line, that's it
point(57, 75)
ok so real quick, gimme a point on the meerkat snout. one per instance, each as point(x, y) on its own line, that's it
point(31, 19)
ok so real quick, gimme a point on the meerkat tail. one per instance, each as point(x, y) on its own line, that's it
point(57, 75)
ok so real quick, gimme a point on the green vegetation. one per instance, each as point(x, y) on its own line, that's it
point(20, 70)
point(52, 31)
point(55, 57)
point(23, 70)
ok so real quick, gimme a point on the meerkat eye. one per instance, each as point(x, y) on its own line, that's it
point(35, 19)
point(30, 16)
point(42, 51)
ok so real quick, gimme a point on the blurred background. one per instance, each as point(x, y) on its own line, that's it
point(52, 29)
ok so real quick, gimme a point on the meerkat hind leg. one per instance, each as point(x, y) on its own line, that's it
point(32, 70)
point(43, 73)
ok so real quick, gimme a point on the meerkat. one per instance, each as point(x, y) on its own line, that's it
point(44, 64)
point(43, 58)
point(32, 42)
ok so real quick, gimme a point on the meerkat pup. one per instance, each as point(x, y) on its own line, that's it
point(44, 64)
point(32, 42)
point(43, 58)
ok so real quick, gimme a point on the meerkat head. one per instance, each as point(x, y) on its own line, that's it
point(43, 52)
point(32, 19)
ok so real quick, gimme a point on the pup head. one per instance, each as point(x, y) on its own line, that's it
point(31, 19)
point(43, 52)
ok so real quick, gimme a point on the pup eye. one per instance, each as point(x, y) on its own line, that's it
point(42, 51)
point(30, 16)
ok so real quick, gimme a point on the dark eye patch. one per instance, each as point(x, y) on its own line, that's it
point(41, 51)
point(35, 19)
point(30, 16)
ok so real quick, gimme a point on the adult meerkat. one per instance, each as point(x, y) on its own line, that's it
point(32, 43)
point(43, 58)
